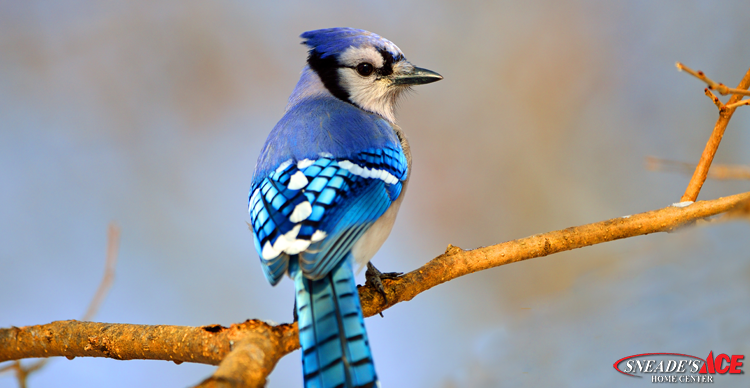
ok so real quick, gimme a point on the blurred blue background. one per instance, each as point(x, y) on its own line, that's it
point(152, 114)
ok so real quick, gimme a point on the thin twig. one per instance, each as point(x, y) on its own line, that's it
point(717, 171)
point(113, 243)
point(701, 170)
point(23, 371)
point(113, 247)
point(736, 104)
point(715, 99)
point(719, 87)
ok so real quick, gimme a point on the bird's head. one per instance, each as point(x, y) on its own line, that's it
point(363, 68)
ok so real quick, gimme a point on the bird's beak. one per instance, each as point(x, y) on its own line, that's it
point(417, 76)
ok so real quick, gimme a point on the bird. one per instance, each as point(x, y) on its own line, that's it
point(326, 189)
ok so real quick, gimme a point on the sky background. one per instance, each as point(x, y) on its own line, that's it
point(152, 115)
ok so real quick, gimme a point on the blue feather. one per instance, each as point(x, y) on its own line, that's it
point(343, 206)
point(324, 124)
point(333, 41)
point(335, 348)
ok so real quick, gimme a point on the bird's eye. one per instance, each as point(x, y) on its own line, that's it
point(365, 69)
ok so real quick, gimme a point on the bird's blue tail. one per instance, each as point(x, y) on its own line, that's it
point(335, 349)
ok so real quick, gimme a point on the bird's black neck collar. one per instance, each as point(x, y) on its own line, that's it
point(327, 70)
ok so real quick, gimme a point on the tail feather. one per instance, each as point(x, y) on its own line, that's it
point(335, 349)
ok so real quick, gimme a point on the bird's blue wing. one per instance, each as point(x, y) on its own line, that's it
point(319, 208)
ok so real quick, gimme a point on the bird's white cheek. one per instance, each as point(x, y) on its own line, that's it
point(354, 83)
point(367, 92)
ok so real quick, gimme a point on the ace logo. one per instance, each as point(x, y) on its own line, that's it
point(679, 368)
point(733, 364)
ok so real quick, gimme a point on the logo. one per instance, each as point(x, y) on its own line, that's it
point(679, 368)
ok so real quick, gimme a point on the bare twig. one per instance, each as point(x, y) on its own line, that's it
point(22, 372)
point(721, 88)
point(736, 104)
point(717, 171)
point(725, 113)
point(713, 98)
point(113, 247)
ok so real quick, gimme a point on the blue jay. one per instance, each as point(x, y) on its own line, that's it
point(326, 189)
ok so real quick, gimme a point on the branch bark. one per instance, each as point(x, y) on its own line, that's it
point(247, 352)
point(204, 344)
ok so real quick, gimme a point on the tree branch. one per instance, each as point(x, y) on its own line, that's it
point(456, 262)
point(725, 114)
point(204, 344)
point(247, 352)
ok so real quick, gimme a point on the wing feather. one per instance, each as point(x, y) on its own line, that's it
point(322, 212)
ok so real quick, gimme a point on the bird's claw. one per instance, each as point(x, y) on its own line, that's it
point(375, 277)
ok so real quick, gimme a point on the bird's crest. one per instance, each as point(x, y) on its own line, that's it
point(331, 41)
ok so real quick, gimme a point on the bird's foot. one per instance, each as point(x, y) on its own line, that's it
point(375, 277)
